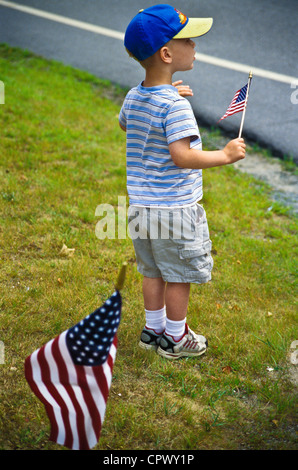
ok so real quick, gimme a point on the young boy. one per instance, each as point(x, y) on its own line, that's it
point(164, 177)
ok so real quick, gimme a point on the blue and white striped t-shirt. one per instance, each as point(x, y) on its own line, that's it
point(155, 117)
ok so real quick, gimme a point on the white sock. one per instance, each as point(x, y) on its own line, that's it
point(156, 319)
point(175, 329)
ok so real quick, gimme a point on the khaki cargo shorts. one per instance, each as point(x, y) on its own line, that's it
point(172, 243)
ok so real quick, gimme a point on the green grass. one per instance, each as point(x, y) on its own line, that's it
point(63, 154)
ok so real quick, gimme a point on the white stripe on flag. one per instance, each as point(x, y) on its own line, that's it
point(65, 396)
point(36, 375)
point(95, 390)
point(73, 380)
point(55, 381)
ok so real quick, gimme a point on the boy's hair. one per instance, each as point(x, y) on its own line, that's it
point(153, 27)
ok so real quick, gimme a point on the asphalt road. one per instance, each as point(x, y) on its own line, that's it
point(260, 35)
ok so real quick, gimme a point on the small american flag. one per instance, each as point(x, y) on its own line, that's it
point(72, 374)
point(238, 102)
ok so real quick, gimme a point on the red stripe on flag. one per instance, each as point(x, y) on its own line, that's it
point(36, 391)
point(90, 403)
point(46, 380)
point(70, 383)
point(62, 371)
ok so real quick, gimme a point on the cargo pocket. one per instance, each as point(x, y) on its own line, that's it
point(198, 262)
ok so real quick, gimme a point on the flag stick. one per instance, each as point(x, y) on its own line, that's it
point(246, 98)
point(121, 277)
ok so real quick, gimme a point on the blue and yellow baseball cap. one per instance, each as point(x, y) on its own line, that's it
point(153, 27)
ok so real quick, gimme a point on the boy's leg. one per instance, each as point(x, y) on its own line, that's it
point(154, 303)
point(178, 339)
point(175, 296)
point(154, 293)
point(157, 293)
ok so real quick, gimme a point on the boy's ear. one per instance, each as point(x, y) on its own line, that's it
point(165, 54)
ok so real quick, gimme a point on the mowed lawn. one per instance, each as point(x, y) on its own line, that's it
point(62, 156)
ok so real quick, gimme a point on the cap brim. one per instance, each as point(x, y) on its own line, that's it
point(195, 27)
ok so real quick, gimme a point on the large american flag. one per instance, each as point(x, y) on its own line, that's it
point(237, 104)
point(72, 374)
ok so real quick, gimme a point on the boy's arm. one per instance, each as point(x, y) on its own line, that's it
point(185, 157)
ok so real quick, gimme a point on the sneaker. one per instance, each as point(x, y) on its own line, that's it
point(150, 339)
point(189, 345)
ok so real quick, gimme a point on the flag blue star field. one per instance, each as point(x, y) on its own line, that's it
point(72, 374)
point(237, 104)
